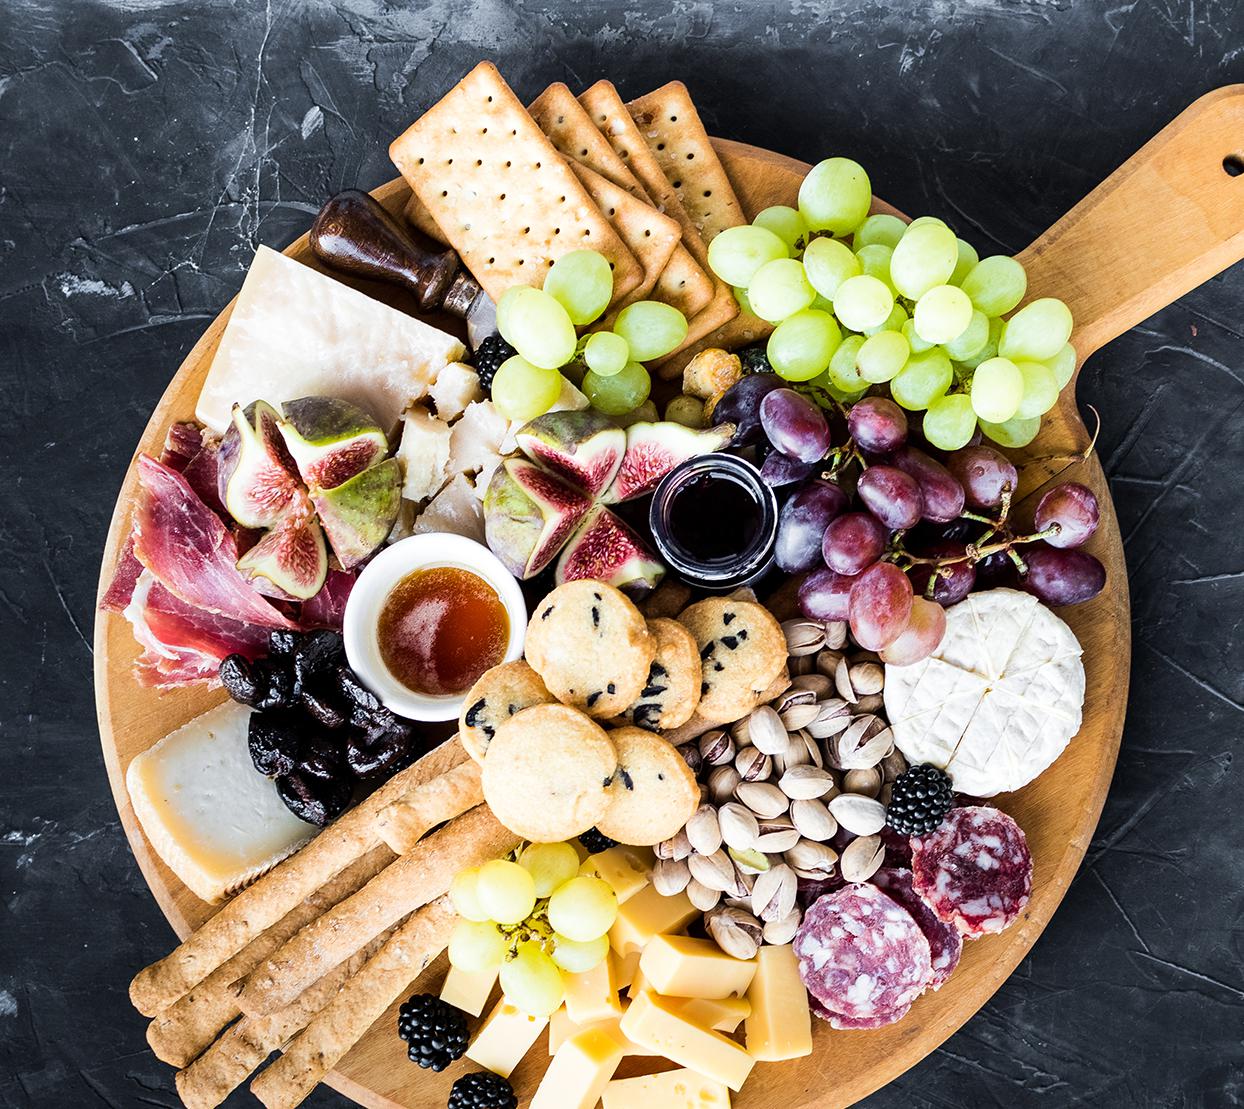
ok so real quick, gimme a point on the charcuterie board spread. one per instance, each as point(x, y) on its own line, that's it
point(676, 646)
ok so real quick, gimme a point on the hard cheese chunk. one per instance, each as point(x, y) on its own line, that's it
point(295, 332)
point(648, 914)
point(724, 1014)
point(780, 1024)
point(592, 995)
point(504, 1038)
point(679, 966)
point(561, 1028)
point(675, 1089)
point(580, 1071)
point(625, 869)
point(655, 1023)
point(626, 967)
point(468, 990)
point(210, 815)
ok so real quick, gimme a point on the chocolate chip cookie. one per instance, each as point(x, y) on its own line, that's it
point(673, 690)
point(742, 651)
point(654, 791)
point(498, 695)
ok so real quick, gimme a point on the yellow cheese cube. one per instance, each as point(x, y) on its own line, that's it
point(675, 1089)
point(580, 1071)
point(679, 966)
point(648, 914)
point(653, 1022)
point(504, 1038)
point(561, 1028)
point(639, 984)
point(468, 990)
point(592, 995)
point(780, 1024)
point(626, 967)
point(724, 1014)
point(625, 869)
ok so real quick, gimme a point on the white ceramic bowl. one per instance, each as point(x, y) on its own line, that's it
point(377, 581)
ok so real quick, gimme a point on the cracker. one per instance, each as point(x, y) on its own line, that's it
point(405, 822)
point(685, 284)
point(498, 189)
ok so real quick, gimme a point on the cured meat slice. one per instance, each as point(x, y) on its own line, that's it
point(975, 871)
point(850, 1024)
point(945, 942)
point(861, 954)
point(327, 608)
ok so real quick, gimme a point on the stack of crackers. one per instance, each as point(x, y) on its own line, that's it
point(512, 189)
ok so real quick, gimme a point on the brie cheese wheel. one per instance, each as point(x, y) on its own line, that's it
point(210, 815)
point(295, 332)
point(998, 701)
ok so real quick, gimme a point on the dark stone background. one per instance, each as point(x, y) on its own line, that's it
point(146, 147)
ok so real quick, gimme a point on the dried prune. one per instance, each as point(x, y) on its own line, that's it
point(238, 677)
point(321, 758)
point(373, 722)
point(315, 653)
point(355, 691)
point(311, 799)
point(276, 686)
point(366, 756)
point(320, 710)
point(281, 642)
point(273, 742)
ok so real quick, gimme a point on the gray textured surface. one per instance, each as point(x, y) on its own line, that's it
point(145, 148)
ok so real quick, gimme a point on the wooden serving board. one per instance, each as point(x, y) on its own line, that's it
point(1167, 220)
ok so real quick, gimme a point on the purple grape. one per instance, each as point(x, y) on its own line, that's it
point(877, 425)
point(1073, 508)
point(891, 495)
point(954, 581)
point(780, 470)
point(940, 490)
point(997, 571)
point(794, 425)
point(825, 595)
point(985, 474)
point(880, 606)
point(854, 542)
point(802, 524)
point(1059, 576)
point(741, 406)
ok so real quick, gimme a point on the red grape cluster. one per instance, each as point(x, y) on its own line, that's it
point(886, 534)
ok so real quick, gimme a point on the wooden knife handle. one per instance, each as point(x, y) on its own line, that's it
point(1168, 219)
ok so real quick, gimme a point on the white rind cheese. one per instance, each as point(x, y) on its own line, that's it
point(998, 701)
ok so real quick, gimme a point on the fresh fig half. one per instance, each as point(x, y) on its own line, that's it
point(256, 477)
point(331, 440)
point(654, 449)
point(290, 562)
point(605, 549)
point(528, 515)
point(358, 514)
point(584, 447)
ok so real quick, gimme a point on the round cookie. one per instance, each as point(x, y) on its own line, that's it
point(547, 773)
point(494, 698)
point(742, 651)
point(654, 791)
point(591, 647)
point(673, 690)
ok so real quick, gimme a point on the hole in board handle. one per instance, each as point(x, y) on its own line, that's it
point(1233, 165)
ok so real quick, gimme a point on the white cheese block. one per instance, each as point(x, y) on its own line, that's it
point(476, 437)
point(998, 701)
point(456, 386)
point(216, 821)
point(456, 509)
point(295, 332)
point(424, 454)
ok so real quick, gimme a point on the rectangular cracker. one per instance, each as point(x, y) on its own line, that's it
point(498, 189)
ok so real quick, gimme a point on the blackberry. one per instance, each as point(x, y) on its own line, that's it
point(920, 800)
point(435, 1032)
point(492, 352)
point(595, 841)
point(755, 359)
point(482, 1090)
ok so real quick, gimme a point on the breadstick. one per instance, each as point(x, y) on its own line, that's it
point(360, 1003)
point(405, 822)
point(413, 880)
point(261, 905)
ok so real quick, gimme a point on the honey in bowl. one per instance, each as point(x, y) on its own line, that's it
point(440, 629)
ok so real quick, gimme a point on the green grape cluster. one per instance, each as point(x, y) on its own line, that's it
point(861, 300)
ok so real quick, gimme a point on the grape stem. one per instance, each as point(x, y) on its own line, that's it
point(975, 552)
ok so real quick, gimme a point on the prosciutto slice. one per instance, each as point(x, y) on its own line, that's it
point(327, 608)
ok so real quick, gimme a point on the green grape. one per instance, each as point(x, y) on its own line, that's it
point(651, 329)
point(875, 261)
point(538, 327)
point(786, 223)
point(619, 394)
point(779, 289)
point(997, 389)
point(575, 957)
point(862, 302)
point(822, 304)
point(942, 314)
point(522, 391)
point(740, 295)
point(843, 396)
point(920, 221)
point(835, 196)
point(582, 283)
point(913, 340)
point(925, 256)
point(550, 865)
point(531, 981)
point(880, 230)
point(967, 259)
point(893, 322)
point(882, 356)
point(685, 410)
point(950, 422)
point(506, 892)
point(801, 345)
point(843, 372)
point(1037, 331)
point(1063, 364)
point(989, 350)
point(738, 252)
point(926, 377)
point(476, 945)
point(605, 353)
point(1013, 433)
point(1040, 390)
point(974, 339)
point(828, 263)
point(463, 894)
point(996, 284)
point(583, 908)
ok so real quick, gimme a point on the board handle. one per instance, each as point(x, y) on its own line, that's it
point(1168, 219)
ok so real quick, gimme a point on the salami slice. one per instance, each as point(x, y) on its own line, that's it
point(945, 942)
point(975, 871)
point(860, 954)
point(837, 1020)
